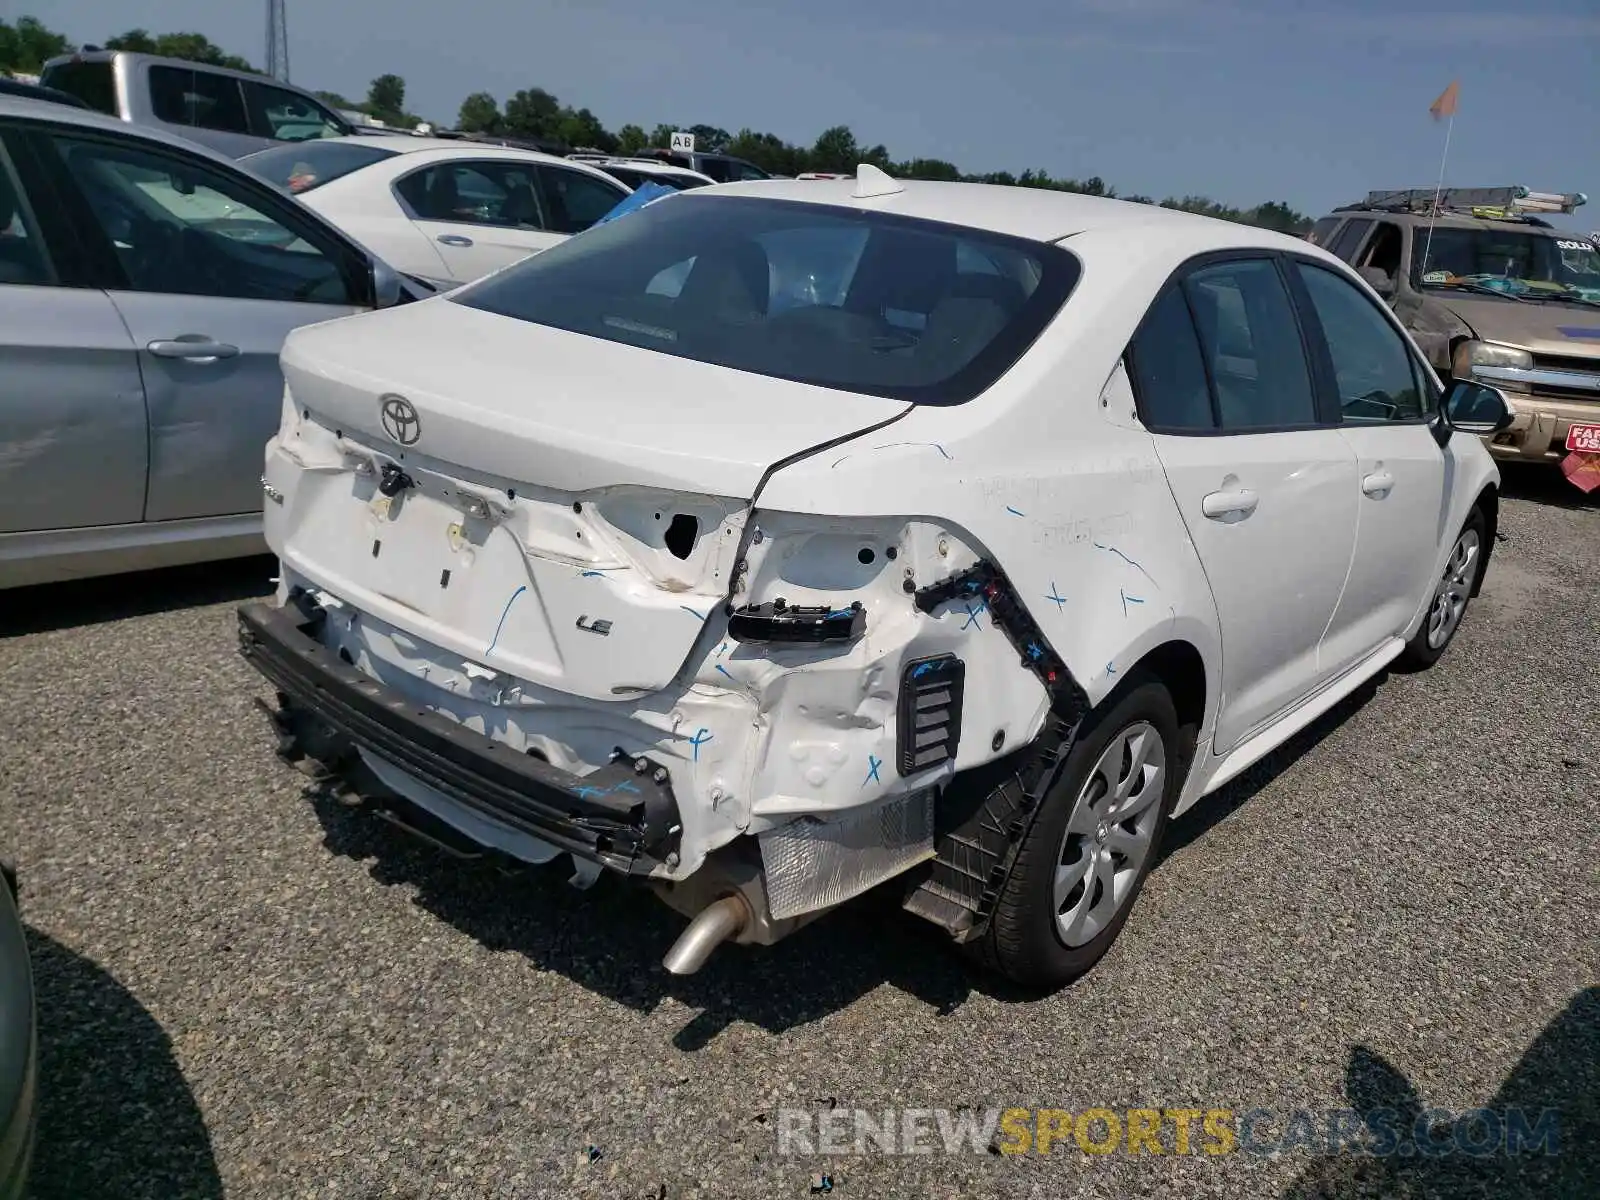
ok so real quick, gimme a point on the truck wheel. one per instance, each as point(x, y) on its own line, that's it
point(1451, 595)
point(1097, 834)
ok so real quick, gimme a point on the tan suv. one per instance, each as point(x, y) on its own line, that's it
point(1491, 291)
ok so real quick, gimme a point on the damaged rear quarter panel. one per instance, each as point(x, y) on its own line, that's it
point(1050, 475)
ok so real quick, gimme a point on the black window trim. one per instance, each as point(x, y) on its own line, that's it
point(105, 269)
point(1324, 397)
point(1313, 324)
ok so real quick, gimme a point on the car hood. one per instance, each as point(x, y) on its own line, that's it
point(524, 401)
point(1567, 330)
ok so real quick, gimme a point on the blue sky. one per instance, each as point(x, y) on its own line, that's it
point(1242, 100)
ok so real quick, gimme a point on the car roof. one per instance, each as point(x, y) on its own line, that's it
point(162, 60)
point(413, 144)
point(645, 166)
point(1040, 214)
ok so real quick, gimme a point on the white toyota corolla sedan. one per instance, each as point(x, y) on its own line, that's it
point(445, 210)
point(781, 539)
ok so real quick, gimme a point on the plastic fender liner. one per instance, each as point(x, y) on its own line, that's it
point(981, 819)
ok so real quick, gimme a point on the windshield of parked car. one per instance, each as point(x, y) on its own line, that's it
point(862, 301)
point(302, 166)
point(1513, 261)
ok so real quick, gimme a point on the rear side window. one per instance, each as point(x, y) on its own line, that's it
point(91, 82)
point(23, 258)
point(1169, 376)
point(1250, 341)
point(301, 168)
point(1322, 231)
point(856, 300)
point(198, 99)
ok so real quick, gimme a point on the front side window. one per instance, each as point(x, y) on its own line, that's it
point(197, 99)
point(480, 193)
point(575, 200)
point(861, 301)
point(180, 226)
point(1251, 345)
point(289, 116)
point(23, 257)
point(1376, 376)
point(301, 168)
point(1322, 231)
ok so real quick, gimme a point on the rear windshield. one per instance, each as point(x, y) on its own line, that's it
point(861, 301)
point(302, 166)
point(90, 82)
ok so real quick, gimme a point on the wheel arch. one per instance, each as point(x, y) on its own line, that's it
point(1178, 666)
point(1488, 503)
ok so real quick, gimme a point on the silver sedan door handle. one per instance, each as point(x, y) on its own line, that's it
point(1378, 483)
point(454, 239)
point(1220, 506)
point(193, 347)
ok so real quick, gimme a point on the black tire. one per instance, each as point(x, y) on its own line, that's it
point(1023, 942)
point(1420, 653)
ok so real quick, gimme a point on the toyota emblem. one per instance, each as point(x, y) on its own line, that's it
point(400, 420)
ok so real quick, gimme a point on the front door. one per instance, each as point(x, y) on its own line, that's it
point(1386, 400)
point(212, 274)
point(1264, 481)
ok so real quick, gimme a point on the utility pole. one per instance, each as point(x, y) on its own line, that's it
point(277, 40)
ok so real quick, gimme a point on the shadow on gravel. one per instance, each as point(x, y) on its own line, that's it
point(1559, 1073)
point(611, 939)
point(116, 597)
point(116, 1119)
point(1544, 485)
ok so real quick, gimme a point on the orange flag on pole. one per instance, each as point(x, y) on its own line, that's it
point(1445, 105)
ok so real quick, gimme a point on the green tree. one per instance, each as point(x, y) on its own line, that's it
point(480, 113)
point(836, 150)
point(386, 99)
point(191, 47)
point(533, 111)
point(27, 45)
point(583, 128)
point(709, 138)
point(662, 136)
point(631, 139)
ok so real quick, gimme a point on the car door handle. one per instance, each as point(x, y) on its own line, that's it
point(193, 347)
point(1378, 483)
point(1221, 505)
point(454, 239)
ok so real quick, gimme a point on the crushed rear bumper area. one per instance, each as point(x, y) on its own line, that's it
point(623, 816)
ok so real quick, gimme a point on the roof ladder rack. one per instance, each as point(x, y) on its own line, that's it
point(1498, 201)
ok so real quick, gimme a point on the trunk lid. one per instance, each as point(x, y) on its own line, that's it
point(571, 510)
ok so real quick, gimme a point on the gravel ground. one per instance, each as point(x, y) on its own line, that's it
point(247, 991)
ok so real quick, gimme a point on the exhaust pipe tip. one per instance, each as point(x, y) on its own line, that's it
point(714, 924)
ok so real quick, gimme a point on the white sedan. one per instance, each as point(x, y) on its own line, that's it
point(778, 540)
point(445, 210)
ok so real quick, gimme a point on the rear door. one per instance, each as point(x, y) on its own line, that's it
point(1264, 481)
point(210, 270)
point(480, 214)
point(1386, 401)
point(73, 450)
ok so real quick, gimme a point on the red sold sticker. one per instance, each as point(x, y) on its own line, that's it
point(1585, 438)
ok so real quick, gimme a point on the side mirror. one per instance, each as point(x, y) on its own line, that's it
point(386, 287)
point(1380, 281)
point(1476, 408)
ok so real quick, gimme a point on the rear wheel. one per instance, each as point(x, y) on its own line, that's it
point(1083, 863)
point(1451, 595)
